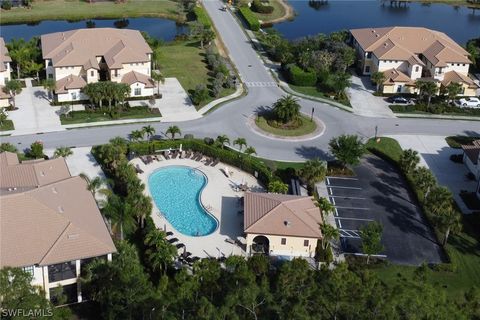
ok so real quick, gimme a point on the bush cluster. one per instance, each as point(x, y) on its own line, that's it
point(202, 17)
point(299, 77)
point(437, 108)
point(259, 7)
point(221, 74)
point(249, 18)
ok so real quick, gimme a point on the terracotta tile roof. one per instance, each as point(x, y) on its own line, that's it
point(69, 82)
point(82, 46)
point(453, 76)
point(472, 151)
point(4, 57)
point(52, 223)
point(394, 75)
point(134, 77)
point(276, 214)
point(436, 46)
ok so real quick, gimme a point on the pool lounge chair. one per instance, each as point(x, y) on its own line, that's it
point(173, 240)
point(169, 233)
point(165, 154)
point(209, 160)
point(149, 159)
point(138, 169)
point(180, 245)
point(175, 154)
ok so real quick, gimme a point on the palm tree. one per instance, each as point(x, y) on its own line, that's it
point(159, 252)
point(249, 151)
point(19, 52)
point(13, 87)
point(94, 93)
point(240, 142)
point(427, 89)
point(438, 199)
point(173, 130)
point(371, 237)
point(95, 185)
point(448, 220)
point(222, 140)
point(313, 171)
point(286, 109)
point(49, 85)
point(158, 77)
point(424, 180)
point(277, 186)
point(325, 206)
point(409, 160)
point(378, 78)
point(453, 89)
point(340, 81)
point(329, 233)
point(62, 152)
point(120, 92)
point(149, 131)
point(136, 135)
point(120, 214)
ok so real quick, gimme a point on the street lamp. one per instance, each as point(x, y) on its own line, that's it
point(311, 117)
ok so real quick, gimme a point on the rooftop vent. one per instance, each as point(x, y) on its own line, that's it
point(54, 190)
point(42, 173)
point(73, 236)
point(60, 209)
point(287, 223)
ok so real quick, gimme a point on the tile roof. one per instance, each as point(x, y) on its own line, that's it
point(394, 75)
point(69, 82)
point(453, 76)
point(472, 151)
point(134, 77)
point(401, 43)
point(81, 47)
point(277, 214)
point(4, 57)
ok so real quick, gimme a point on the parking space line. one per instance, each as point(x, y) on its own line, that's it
point(347, 233)
point(347, 197)
point(328, 181)
point(336, 211)
point(364, 255)
point(359, 219)
point(333, 201)
point(341, 187)
point(355, 208)
point(339, 223)
point(330, 191)
point(342, 178)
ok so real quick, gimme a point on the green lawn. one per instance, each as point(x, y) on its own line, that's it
point(457, 141)
point(88, 116)
point(81, 10)
point(313, 91)
point(278, 12)
point(186, 62)
point(7, 125)
point(306, 127)
point(386, 146)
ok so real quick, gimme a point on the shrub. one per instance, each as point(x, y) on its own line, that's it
point(259, 7)
point(250, 18)
point(299, 77)
point(36, 150)
point(202, 17)
point(188, 136)
point(6, 5)
point(457, 158)
point(200, 94)
point(208, 141)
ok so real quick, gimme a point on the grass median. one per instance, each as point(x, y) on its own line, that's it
point(76, 117)
point(305, 127)
point(7, 125)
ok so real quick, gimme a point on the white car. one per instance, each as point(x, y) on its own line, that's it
point(471, 102)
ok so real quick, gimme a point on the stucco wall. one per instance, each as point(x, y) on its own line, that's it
point(4, 103)
point(68, 96)
point(294, 245)
point(5, 75)
point(62, 72)
point(144, 91)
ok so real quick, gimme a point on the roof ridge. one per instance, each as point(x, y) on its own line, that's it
point(261, 218)
point(301, 218)
point(56, 241)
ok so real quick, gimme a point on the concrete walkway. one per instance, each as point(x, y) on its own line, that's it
point(435, 154)
point(34, 114)
point(363, 101)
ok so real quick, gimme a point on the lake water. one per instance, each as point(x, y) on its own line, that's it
point(159, 28)
point(460, 23)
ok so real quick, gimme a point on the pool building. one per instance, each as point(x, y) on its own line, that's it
point(281, 225)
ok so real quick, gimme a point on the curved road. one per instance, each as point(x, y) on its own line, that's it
point(231, 119)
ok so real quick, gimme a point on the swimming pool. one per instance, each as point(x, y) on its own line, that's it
point(176, 192)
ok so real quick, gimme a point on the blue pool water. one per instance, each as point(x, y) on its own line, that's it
point(176, 191)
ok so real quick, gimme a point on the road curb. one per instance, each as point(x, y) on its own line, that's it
point(433, 116)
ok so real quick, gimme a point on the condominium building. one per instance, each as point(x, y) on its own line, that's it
point(5, 73)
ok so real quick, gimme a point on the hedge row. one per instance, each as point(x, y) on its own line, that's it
point(438, 108)
point(299, 77)
point(228, 156)
point(250, 18)
point(202, 17)
point(259, 7)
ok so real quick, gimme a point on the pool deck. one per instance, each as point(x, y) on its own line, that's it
point(221, 200)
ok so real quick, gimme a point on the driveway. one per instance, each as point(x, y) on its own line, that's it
point(175, 104)
point(379, 193)
point(435, 154)
point(34, 114)
point(364, 102)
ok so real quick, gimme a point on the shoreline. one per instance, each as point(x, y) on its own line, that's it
point(289, 14)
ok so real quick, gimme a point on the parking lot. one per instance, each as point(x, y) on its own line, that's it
point(379, 193)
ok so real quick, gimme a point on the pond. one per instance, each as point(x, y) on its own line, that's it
point(460, 23)
point(156, 27)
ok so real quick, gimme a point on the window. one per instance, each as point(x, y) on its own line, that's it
point(29, 269)
point(92, 73)
point(138, 91)
point(417, 68)
point(116, 72)
point(368, 55)
point(73, 95)
point(62, 271)
point(367, 69)
point(305, 243)
point(69, 291)
point(284, 241)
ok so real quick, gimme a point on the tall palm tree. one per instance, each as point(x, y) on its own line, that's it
point(329, 233)
point(173, 130)
point(49, 85)
point(159, 253)
point(286, 109)
point(249, 151)
point(158, 77)
point(409, 160)
point(325, 206)
point(427, 89)
point(120, 214)
point(94, 93)
point(453, 89)
point(222, 140)
point(137, 135)
point(149, 131)
point(240, 142)
point(378, 78)
point(62, 152)
point(438, 199)
point(120, 92)
point(449, 221)
point(425, 180)
point(13, 87)
point(313, 171)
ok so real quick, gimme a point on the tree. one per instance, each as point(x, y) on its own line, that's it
point(222, 140)
point(424, 180)
point(158, 77)
point(95, 185)
point(348, 149)
point(286, 109)
point(3, 117)
point(409, 160)
point(277, 186)
point(313, 171)
point(13, 87)
point(453, 89)
point(62, 152)
point(438, 199)
point(173, 130)
point(329, 233)
point(448, 221)
point(199, 31)
point(94, 91)
point(120, 213)
point(160, 253)
point(49, 85)
point(378, 78)
point(427, 89)
point(250, 150)
point(137, 135)
point(325, 206)
point(371, 236)
point(149, 131)
point(36, 150)
point(34, 68)
point(240, 142)
point(339, 82)
point(200, 94)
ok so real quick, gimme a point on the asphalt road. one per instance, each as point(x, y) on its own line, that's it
point(231, 118)
point(379, 193)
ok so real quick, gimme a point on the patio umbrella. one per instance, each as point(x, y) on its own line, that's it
point(180, 149)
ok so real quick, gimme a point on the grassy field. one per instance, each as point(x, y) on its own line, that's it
point(87, 117)
point(278, 12)
point(7, 125)
point(457, 141)
point(313, 91)
point(306, 127)
point(186, 62)
point(80, 10)
point(386, 146)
